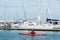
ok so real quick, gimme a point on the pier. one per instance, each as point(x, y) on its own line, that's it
point(34, 29)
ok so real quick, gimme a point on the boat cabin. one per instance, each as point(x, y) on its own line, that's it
point(52, 21)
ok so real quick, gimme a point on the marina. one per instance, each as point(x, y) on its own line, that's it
point(26, 25)
point(32, 23)
point(29, 20)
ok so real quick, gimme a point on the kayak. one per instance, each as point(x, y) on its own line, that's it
point(29, 34)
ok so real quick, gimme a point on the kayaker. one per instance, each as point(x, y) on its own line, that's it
point(33, 32)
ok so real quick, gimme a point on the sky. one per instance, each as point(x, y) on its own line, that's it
point(13, 9)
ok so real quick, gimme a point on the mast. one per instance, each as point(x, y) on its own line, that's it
point(23, 9)
point(39, 10)
point(48, 10)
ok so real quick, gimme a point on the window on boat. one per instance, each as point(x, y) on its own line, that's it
point(31, 24)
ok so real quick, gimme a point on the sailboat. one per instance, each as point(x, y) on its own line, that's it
point(51, 24)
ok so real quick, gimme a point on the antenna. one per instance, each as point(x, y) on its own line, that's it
point(23, 9)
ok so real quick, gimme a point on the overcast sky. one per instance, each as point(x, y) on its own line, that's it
point(13, 9)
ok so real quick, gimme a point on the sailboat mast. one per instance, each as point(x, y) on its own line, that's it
point(23, 9)
point(40, 5)
point(48, 10)
point(39, 10)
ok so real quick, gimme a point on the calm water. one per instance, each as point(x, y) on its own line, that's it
point(13, 35)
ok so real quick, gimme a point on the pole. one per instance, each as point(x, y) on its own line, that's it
point(23, 9)
point(48, 10)
point(39, 18)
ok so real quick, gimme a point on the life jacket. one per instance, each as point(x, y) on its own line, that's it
point(32, 32)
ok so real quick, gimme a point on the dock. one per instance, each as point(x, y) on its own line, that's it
point(34, 29)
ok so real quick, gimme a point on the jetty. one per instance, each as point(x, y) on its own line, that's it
point(34, 29)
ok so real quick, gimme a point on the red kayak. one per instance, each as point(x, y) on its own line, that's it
point(29, 34)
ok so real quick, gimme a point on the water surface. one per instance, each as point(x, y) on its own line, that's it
point(14, 35)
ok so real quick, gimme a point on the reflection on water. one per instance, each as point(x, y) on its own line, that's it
point(14, 35)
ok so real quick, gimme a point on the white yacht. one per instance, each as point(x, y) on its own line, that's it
point(26, 24)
